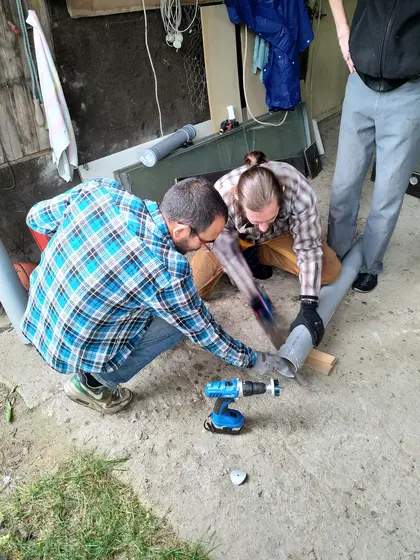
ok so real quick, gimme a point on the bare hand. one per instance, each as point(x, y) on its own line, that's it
point(343, 41)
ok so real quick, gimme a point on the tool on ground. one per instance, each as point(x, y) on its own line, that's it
point(264, 313)
point(225, 420)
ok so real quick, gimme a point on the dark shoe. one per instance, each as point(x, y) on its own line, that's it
point(259, 271)
point(99, 398)
point(365, 283)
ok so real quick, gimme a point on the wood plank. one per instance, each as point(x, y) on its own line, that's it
point(81, 8)
point(326, 82)
point(43, 13)
point(17, 122)
point(255, 89)
point(219, 43)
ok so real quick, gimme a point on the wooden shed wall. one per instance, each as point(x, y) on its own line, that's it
point(19, 134)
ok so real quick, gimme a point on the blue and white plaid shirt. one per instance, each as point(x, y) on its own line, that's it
point(110, 267)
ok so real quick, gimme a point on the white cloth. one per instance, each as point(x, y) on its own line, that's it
point(60, 128)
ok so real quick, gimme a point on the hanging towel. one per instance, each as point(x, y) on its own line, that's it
point(61, 133)
point(261, 54)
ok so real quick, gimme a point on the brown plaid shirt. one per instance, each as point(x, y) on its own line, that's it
point(299, 216)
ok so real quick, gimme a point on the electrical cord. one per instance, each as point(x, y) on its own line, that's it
point(153, 69)
point(171, 14)
point(244, 84)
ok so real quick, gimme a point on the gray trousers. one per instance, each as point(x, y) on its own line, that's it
point(391, 121)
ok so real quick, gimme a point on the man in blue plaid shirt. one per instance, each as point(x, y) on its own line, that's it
point(113, 289)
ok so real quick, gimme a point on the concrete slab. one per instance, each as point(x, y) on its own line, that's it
point(333, 468)
point(22, 366)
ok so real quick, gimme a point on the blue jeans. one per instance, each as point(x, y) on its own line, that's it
point(159, 337)
point(391, 122)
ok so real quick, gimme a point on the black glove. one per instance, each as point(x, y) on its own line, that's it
point(308, 316)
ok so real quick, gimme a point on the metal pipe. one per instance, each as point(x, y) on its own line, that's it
point(152, 155)
point(318, 139)
point(13, 296)
point(299, 342)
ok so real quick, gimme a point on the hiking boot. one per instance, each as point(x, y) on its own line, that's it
point(365, 283)
point(259, 271)
point(102, 399)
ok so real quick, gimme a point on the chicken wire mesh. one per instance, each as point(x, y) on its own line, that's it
point(194, 60)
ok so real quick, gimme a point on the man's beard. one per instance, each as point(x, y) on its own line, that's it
point(182, 247)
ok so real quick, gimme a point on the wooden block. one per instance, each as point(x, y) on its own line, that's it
point(320, 361)
point(255, 89)
point(219, 43)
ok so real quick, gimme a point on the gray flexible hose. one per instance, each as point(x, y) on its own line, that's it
point(36, 88)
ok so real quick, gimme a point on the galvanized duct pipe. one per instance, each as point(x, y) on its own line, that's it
point(299, 343)
point(13, 296)
point(152, 155)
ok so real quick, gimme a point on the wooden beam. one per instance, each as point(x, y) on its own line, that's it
point(219, 44)
point(91, 8)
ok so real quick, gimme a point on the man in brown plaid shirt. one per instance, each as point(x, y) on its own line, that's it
point(273, 222)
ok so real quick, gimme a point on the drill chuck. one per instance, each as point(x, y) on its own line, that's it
point(274, 387)
point(249, 388)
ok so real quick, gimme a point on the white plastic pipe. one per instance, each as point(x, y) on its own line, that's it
point(318, 139)
point(299, 343)
point(13, 296)
point(152, 155)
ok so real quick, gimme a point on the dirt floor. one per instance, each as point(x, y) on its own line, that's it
point(333, 467)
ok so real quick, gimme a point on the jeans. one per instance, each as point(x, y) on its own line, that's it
point(159, 337)
point(391, 121)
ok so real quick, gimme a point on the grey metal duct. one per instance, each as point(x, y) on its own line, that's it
point(152, 155)
point(13, 296)
point(299, 343)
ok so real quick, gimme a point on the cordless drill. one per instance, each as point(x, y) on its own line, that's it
point(225, 420)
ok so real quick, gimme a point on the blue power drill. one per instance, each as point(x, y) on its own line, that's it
point(225, 420)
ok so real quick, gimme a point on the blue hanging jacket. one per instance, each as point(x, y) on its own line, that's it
point(285, 24)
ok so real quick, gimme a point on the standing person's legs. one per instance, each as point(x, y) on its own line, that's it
point(279, 254)
point(397, 150)
point(355, 148)
point(101, 392)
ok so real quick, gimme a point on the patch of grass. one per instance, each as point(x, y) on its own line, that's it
point(82, 512)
